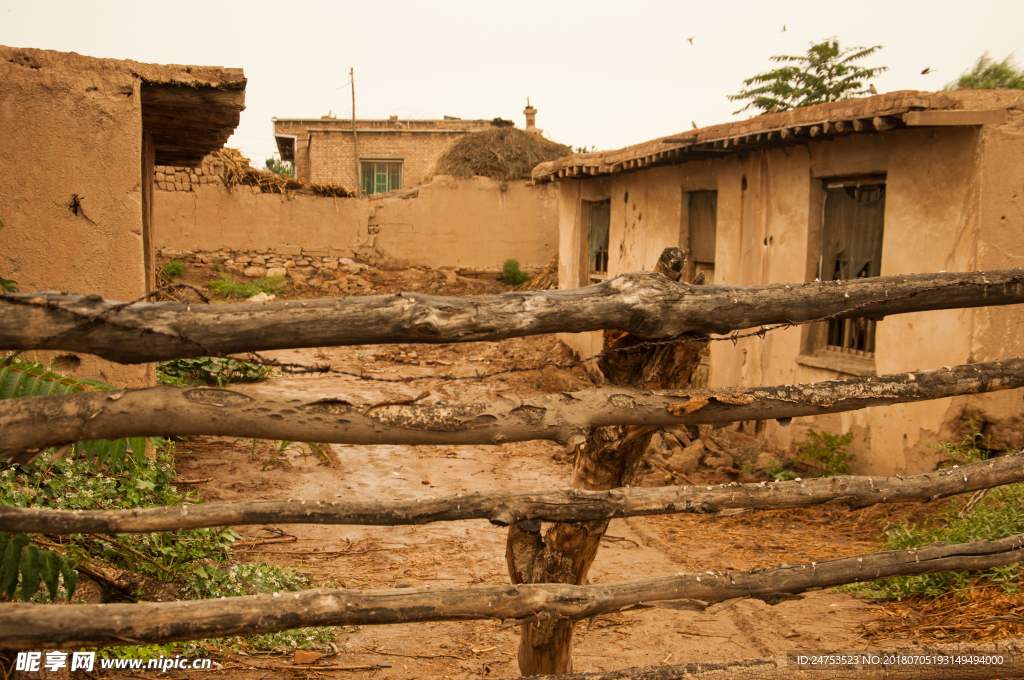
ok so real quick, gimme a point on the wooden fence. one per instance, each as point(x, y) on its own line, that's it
point(663, 323)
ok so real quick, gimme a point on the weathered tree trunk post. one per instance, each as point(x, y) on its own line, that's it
point(608, 459)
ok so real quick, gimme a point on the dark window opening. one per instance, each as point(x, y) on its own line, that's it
point(851, 248)
point(703, 222)
point(597, 247)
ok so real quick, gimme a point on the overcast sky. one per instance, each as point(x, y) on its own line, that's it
point(607, 74)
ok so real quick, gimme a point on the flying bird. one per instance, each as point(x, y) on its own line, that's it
point(691, 39)
point(871, 89)
point(926, 71)
point(783, 28)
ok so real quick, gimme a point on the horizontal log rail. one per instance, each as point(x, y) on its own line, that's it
point(646, 305)
point(504, 507)
point(31, 626)
point(561, 417)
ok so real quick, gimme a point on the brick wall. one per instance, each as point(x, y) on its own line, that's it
point(324, 150)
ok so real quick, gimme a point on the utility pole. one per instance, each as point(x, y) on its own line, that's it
point(355, 142)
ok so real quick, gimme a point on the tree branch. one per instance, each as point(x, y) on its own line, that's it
point(158, 411)
point(647, 305)
point(509, 506)
point(28, 626)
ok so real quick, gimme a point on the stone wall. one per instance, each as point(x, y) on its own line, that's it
point(317, 269)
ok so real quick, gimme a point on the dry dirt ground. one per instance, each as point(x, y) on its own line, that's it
point(473, 552)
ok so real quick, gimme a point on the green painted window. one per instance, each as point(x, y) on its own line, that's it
point(380, 177)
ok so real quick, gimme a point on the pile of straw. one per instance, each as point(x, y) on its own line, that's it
point(237, 170)
point(500, 153)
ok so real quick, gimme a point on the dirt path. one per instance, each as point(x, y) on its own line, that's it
point(462, 553)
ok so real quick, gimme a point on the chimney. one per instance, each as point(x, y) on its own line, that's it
point(531, 117)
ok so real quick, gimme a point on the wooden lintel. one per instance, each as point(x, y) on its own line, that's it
point(841, 126)
point(785, 133)
point(179, 96)
point(990, 117)
point(185, 114)
point(815, 130)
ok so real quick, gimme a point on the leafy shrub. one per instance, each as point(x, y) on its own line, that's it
point(19, 558)
point(511, 273)
point(239, 580)
point(227, 287)
point(92, 475)
point(997, 514)
point(175, 269)
point(81, 484)
point(823, 448)
point(219, 371)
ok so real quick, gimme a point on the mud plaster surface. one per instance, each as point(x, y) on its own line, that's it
point(473, 552)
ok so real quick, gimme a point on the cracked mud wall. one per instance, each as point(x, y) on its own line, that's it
point(955, 202)
point(71, 126)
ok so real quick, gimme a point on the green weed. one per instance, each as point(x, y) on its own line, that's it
point(175, 269)
point(511, 273)
point(827, 450)
point(227, 287)
point(994, 515)
point(285, 446)
point(239, 580)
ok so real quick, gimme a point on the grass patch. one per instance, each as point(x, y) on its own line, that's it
point(227, 287)
point(997, 514)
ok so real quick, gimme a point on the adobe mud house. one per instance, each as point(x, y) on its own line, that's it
point(900, 183)
point(389, 154)
point(470, 223)
point(80, 138)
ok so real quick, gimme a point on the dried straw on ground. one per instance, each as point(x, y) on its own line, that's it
point(500, 153)
point(545, 279)
point(237, 170)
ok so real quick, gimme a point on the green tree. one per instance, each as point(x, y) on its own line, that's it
point(827, 73)
point(989, 74)
point(282, 168)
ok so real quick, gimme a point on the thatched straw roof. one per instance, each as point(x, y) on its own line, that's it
point(237, 170)
point(500, 153)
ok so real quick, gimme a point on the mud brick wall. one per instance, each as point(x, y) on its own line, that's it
point(170, 178)
point(473, 224)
